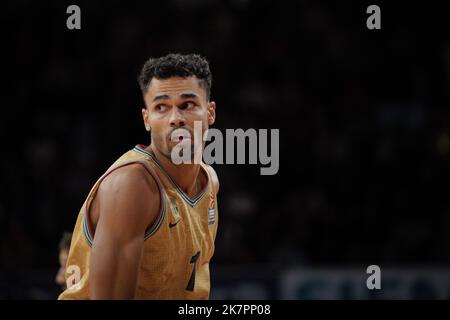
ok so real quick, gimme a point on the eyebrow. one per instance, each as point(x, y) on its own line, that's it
point(189, 95)
point(160, 97)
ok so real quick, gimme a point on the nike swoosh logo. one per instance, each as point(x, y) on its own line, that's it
point(173, 225)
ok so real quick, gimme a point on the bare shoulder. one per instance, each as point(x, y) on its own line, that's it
point(129, 194)
point(131, 177)
point(214, 177)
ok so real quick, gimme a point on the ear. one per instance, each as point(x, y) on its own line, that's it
point(146, 118)
point(211, 112)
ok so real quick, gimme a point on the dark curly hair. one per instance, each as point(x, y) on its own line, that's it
point(176, 65)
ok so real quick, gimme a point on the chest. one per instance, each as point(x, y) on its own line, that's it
point(186, 234)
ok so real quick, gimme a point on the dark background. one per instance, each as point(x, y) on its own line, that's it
point(364, 119)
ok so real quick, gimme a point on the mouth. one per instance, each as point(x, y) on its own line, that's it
point(180, 135)
point(180, 139)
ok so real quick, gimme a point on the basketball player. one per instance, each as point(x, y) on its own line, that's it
point(147, 227)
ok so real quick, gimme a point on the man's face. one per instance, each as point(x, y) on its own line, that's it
point(175, 103)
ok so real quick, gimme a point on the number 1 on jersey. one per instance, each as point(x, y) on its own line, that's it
point(191, 283)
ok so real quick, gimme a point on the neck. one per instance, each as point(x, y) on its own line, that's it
point(186, 176)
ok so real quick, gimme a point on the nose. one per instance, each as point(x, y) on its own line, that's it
point(176, 118)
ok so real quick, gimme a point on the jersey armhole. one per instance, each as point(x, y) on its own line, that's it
point(153, 226)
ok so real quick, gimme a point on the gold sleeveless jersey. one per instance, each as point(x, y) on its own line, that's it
point(178, 246)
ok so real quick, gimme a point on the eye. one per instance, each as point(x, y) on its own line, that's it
point(187, 105)
point(160, 107)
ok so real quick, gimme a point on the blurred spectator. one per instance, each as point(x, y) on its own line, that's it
point(64, 247)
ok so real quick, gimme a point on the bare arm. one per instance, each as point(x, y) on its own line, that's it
point(128, 201)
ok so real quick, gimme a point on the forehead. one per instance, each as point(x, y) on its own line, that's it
point(173, 87)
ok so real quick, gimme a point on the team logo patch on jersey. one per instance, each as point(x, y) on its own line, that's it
point(211, 210)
